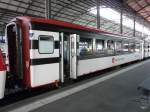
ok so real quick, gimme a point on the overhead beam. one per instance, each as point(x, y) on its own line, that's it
point(147, 11)
point(129, 7)
point(19, 13)
point(130, 1)
point(29, 5)
point(143, 8)
point(63, 7)
point(20, 6)
point(74, 6)
point(111, 26)
point(11, 12)
point(98, 13)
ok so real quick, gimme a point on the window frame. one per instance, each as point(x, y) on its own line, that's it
point(102, 43)
point(112, 42)
point(85, 40)
point(121, 43)
point(49, 36)
point(124, 46)
point(132, 43)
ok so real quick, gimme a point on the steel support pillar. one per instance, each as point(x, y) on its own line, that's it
point(134, 28)
point(98, 14)
point(121, 21)
point(48, 9)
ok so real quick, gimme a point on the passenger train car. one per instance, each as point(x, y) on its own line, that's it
point(42, 51)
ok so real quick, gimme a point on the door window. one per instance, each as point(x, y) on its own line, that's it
point(46, 44)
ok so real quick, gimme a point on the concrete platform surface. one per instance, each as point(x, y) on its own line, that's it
point(117, 94)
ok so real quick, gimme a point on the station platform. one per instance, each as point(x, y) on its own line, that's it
point(115, 91)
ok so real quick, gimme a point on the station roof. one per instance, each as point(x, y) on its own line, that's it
point(141, 7)
point(74, 11)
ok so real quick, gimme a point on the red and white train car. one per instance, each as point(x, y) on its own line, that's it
point(42, 51)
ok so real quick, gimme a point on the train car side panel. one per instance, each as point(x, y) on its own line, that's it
point(92, 65)
point(44, 55)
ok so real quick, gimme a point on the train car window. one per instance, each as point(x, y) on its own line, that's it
point(110, 44)
point(146, 47)
point(137, 47)
point(85, 46)
point(118, 47)
point(125, 47)
point(131, 47)
point(46, 44)
point(100, 46)
point(110, 47)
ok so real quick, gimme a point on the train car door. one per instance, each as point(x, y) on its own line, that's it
point(14, 44)
point(62, 57)
point(45, 58)
point(74, 38)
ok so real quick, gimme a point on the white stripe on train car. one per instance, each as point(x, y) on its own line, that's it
point(34, 54)
point(58, 96)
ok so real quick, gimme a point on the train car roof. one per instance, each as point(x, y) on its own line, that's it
point(73, 26)
point(61, 23)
